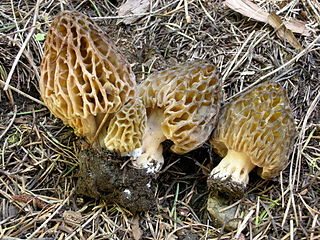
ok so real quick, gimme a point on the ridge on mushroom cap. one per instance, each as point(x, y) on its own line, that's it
point(83, 76)
point(190, 96)
point(260, 123)
point(126, 128)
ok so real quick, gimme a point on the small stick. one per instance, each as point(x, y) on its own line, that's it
point(11, 175)
point(292, 60)
point(22, 93)
point(11, 122)
point(243, 224)
point(16, 60)
point(51, 216)
point(188, 18)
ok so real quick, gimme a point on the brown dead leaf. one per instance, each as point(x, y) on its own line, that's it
point(31, 200)
point(253, 11)
point(133, 7)
point(275, 21)
point(297, 26)
point(248, 8)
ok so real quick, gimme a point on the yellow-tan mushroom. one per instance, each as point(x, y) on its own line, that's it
point(255, 129)
point(126, 128)
point(84, 78)
point(182, 104)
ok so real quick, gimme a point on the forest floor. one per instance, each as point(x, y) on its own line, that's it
point(38, 154)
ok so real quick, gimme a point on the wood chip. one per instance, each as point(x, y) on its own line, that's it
point(72, 218)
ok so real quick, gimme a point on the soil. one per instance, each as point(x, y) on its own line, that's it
point(101, 176)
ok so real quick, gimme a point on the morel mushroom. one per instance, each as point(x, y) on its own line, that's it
point(126, 128)
point(83, 76)
point(256, 129)
point(182, 104)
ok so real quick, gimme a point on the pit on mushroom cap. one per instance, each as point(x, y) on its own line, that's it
point(256, 129)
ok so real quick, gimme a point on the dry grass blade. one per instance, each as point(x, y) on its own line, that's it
point(10, 124)
point(244, 223)
point(17, 58)
point(312, 108)
point(38, 154)
point(50, 216)
point(23, 94)
point(291, 61)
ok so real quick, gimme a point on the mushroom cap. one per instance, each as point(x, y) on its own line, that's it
point(126, 128)
point(189, 95)
point(260, 123)
point(83, 76)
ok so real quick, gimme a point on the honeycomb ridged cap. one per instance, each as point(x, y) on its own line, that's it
point(189, 95)
point(83, 75)
point(126, 128)
point(260, 123)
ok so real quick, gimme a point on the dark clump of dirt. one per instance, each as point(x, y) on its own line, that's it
point(103, 176)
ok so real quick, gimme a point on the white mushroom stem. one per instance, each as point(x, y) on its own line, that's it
point(236, 165)
point(149, 156)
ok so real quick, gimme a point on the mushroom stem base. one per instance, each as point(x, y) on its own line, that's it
point(232, 174)
point(149, 156)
